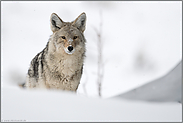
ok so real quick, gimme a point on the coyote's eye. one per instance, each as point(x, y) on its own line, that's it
point(75, 37)
point(63, 37)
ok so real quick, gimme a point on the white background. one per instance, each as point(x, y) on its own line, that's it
point(142, 41)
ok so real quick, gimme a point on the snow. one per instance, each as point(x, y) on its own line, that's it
point(165, 89)
point(51, 106)
point(142, 41)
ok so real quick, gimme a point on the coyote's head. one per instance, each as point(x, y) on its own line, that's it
point(68, 36)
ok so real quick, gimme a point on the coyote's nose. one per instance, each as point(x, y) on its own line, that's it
point(70, 48)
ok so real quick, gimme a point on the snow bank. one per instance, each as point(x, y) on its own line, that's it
point(165, 89)
point(41, 105)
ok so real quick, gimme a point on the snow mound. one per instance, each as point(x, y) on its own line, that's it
point(165, 89)
point(41, 105)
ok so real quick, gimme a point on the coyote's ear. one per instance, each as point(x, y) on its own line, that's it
point(80, 22)
point(55, 22)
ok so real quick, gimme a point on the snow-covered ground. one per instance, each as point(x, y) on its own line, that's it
point(45, 106)
point(165, 89)
point(142, 41)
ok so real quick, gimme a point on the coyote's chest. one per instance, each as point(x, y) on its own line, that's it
point(64, 73)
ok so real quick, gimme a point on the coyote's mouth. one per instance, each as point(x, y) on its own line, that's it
point(69, 49)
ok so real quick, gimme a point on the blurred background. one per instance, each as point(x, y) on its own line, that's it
point(140, 41)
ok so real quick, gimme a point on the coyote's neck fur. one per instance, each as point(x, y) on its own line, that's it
point(60, 64)
point(65, 63)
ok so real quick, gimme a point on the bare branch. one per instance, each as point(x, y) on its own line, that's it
point(100, 69)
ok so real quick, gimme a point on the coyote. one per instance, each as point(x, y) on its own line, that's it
point(59, 65)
